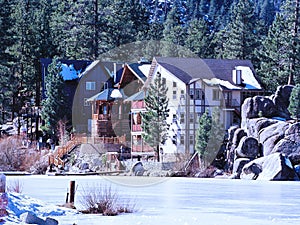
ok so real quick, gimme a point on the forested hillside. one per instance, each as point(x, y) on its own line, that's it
point(264, 31)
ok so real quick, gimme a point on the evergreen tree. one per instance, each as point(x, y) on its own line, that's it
point(154, 119)
point(203, 134)
point(54, 105)
point(279, 55)
point(242, 36)
point(198, 38)
point(174, 32)
point(209, 137)
point(267, 12)
point(294, 107)
point(291, 13)
point(273, 56)
point(126, 21)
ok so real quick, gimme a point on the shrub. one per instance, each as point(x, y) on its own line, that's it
point(15, 186)
point(103, 200)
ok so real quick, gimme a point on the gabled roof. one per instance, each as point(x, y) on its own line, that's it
point(191, 69)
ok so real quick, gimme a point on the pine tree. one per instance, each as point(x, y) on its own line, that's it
point(198, 38)
point(154, 119)
point(126, 22)
point(294, 107)
point(203, 134)
point(174, 33)
point(279, 55)
point(209, 137)
point(242, 32)
point(273, 56)
point(54, 105)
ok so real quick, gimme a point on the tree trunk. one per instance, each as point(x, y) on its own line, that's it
point(158, 156)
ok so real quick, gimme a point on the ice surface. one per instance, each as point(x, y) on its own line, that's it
point(175, 200)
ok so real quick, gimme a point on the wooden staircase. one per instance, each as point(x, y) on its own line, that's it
point(55, 158)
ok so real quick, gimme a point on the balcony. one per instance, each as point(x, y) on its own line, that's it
point(139, 148)
point(101, 116)
point(138, 105)
point(136, 128)
point(232, 103)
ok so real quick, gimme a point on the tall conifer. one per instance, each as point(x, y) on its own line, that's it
point(154, 119)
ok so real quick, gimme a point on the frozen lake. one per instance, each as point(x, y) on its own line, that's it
point(183, 201)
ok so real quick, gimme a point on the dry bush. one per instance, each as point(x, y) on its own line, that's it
point(103, 200)
point(15, 186)
point(15, 157)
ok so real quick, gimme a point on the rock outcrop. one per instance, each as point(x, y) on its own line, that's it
point(267, 146)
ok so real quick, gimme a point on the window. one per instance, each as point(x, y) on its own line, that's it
point(174, 84)
point(182, 96)
point(191, 117)
point(199, 95)
point(191, 139)
point(216, 95)
point(86, 103)
point(174, 120)
point(192, 93)
point(164, 81)
point(90, 85)
point(181, 118)
point(174, 94)
point(182, 139)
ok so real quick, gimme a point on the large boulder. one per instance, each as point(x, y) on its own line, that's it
point(290, 144)
point(258, 106)
point(235, 140)
point(248, 148)
point(281, 100)
point(271, 135)
point(138, 169)
point(272, 167)
point(238, 167)
point(254, 126)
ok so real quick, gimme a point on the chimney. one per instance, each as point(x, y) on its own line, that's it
point(237, 76)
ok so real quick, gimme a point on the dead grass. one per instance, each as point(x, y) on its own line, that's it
point(15, 186)
point(103, 200)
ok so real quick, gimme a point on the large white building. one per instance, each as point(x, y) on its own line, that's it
point(194, 85)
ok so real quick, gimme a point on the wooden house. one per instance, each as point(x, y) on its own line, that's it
point(97, 77)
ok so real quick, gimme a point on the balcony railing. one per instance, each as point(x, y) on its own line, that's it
point(138, 105)
point(140, 148)
point(137, 128)
point(232, 103)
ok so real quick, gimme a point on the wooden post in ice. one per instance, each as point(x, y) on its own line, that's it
point(72, 191)
point(3, 196)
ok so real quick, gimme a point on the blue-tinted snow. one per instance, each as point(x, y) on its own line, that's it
point(69, 72)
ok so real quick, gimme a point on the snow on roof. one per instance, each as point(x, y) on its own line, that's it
point(248, 78)
point(216, 81)
point(116, 94)
point(90, 67)
point(145, 69)
point(69, 72)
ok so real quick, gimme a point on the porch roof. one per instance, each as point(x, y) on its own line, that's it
point(136, 97)
point(109, 94)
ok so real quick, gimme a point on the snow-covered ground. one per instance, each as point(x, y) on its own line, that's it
point(183, 201)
